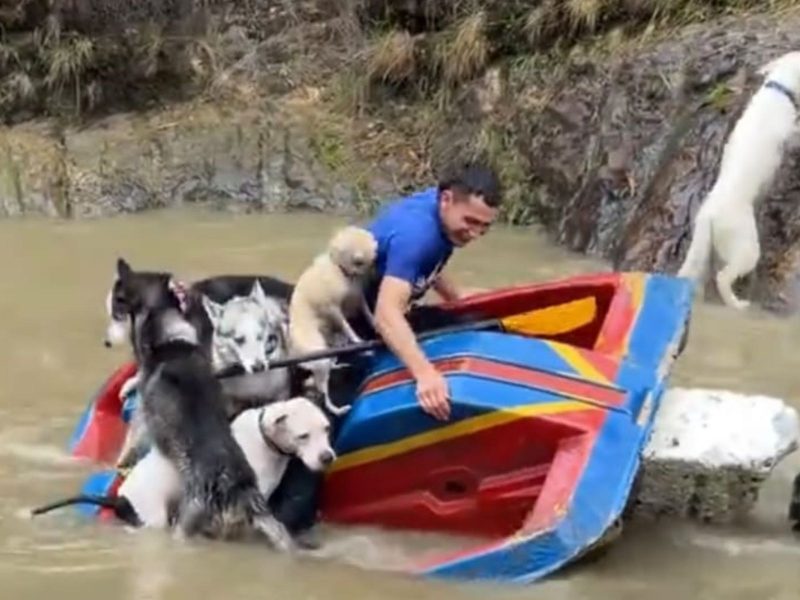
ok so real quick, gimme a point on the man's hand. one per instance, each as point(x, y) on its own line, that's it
point(392, 326)
point(447, 289)
point(432, 394)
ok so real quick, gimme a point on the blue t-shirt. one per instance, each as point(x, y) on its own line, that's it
point(412, 244)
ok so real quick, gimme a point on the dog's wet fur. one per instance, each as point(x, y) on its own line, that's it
point(219, 289)
point(182, 407)
point(725, 224)
point(240, 390)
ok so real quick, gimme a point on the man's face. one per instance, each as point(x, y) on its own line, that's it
point(465, 217)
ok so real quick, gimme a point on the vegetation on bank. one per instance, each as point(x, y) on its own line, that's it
point(388, 76)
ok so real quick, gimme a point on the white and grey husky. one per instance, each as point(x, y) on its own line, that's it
point(249, 332)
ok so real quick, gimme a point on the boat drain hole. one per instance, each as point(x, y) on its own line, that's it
point(453, 486)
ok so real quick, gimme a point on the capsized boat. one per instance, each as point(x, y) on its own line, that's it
point(544, 440)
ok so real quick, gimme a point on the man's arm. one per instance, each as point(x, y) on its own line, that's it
point(391, 322)
point(450, 291)
point(447, 288)
point(394, 329)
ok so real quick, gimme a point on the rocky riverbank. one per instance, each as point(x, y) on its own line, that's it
point(610, 141)
point(236, 158)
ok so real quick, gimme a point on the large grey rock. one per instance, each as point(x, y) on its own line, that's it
point(710, 452)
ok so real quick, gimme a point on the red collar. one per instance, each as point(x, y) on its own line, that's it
point(180, 290)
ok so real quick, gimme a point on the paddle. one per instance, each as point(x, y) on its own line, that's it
point(550, 320)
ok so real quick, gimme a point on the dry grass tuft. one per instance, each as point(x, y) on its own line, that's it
point(541, 21)
point(464, 50)
point(392, 58)
point(586, 14)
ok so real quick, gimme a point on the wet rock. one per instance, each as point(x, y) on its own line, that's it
point(669, 108)
point(710, 453)
point(234, 160)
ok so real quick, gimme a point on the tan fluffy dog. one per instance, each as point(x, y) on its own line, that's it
point(325, 293)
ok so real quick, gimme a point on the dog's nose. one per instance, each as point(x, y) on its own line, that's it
point(258, 367)
point(326, 458)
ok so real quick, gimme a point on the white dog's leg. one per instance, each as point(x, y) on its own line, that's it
point(699, 254)
point(341, 321)
point(740, 249)
point(725, 279)
point(137, 431)
point(320, 370)
point(128, 386)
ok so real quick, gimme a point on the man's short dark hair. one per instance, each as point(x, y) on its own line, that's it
point(474, 178)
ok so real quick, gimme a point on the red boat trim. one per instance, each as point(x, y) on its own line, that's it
point(565, 385)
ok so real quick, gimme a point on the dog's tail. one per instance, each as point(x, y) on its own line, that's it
point(698, 256)
point(121, 506)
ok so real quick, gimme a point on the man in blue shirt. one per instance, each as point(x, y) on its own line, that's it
point(416, 237)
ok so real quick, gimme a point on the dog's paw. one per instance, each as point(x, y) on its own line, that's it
point(336, 410)
point(128, 387)
point(738, 304)
point(307, 541)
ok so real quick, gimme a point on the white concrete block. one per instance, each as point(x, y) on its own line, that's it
point(710, 452)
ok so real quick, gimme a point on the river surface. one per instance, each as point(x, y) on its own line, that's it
point(53, 281)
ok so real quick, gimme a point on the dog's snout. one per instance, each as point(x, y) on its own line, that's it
point(258, 367)
point(326, 457)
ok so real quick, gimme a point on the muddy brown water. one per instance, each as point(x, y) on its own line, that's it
point(53, 280)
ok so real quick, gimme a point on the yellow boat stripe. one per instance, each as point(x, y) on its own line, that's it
point(465, 427)
point(636, 283)
point(576, 360)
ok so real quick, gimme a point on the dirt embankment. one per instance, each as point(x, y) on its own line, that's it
point(605, 118)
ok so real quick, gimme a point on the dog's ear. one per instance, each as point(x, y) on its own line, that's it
point(124, 270)
point(339, 255)
point(257, 293)
point(213, 310)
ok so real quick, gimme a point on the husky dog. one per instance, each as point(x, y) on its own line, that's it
point(328, 289)
point(751, 157)
point(249, 332)
point(269, 386)
point(219, 288)
point(268, 436)
point(182, 407)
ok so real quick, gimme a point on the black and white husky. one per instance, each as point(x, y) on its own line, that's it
point(219, 288)
point(204, 305)
point(269, 437)
point(181, 403)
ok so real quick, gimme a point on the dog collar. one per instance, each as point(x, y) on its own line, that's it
point(775, 85)
point(180, 290)
point(270, 444)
